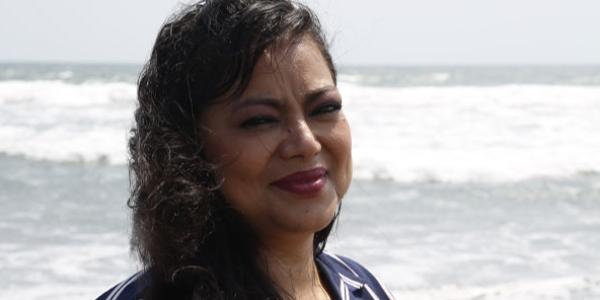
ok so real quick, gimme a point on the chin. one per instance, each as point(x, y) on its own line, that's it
point(324, 222)
point(311, 223)
point(309, 227)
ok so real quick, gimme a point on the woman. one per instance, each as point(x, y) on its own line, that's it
point(240, 157)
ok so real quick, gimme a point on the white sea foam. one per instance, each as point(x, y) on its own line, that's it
point(83, 271)
point(58, 121)
point(494, 133)
point(554, 288)
point(473, 133)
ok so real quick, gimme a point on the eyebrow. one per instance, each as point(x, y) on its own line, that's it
point(310, 97)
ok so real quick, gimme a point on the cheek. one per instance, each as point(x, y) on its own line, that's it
point(239, 156)
point(243, 166)
point(241, 182)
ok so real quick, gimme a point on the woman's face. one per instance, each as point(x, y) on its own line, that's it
point(283, 146)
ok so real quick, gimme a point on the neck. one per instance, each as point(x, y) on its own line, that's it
point(291, 265)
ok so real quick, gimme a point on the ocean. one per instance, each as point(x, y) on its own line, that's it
point(470, 182)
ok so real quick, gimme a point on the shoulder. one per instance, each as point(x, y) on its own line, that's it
point(128, 289)
point(352, 278)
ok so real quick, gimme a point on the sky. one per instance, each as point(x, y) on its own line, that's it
point(374, 32)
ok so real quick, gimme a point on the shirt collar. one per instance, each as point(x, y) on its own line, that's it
point(342, 280)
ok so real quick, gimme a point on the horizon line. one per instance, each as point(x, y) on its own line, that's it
point(348, 64)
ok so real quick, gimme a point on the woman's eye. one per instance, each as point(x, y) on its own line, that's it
point(258, 121)
point(327, 108)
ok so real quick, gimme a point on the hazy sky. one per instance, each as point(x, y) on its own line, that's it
point(363, 32)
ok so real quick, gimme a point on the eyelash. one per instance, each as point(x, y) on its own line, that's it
point(327, 108)
point(258, 121)
point(266, 120)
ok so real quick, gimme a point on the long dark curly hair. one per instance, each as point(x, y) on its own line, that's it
point(191, 242)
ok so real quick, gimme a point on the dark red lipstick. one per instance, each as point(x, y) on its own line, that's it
point(304, 182)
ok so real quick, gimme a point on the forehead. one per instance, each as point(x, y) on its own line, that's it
point(293, 67)
point(299, 65)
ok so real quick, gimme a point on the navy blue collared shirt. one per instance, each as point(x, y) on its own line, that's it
point(346, 279)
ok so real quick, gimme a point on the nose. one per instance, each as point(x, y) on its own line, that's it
point(300, 141)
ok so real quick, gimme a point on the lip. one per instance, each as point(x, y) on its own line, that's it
point(304, 183)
